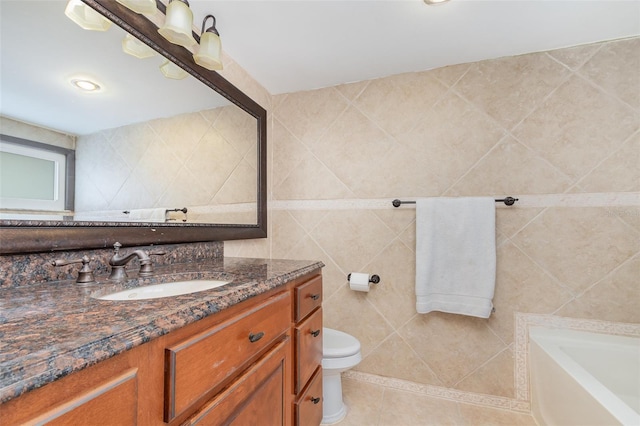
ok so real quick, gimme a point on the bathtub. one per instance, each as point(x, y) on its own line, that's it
point(582, 378)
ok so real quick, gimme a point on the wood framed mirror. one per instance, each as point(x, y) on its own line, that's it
point(73, 232)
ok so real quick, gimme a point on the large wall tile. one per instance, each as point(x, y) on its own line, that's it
point(311, 179)
point(511, 168)
point(618, 172)
point(394, 296)
point(308, 114)
point(522, 286)
point(495, 377)
point(575, 57)
point(352, 238)
point(452, 137)
point(395, 358)
point(615, 68)
point(352, 313)
point(577, 126)
point(578, 246)
point(352, 148)
point(397, 103)
point(452, 345)
point(508, 89)
point(612, 299)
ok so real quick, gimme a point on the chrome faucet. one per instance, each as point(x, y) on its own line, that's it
point(118, 262)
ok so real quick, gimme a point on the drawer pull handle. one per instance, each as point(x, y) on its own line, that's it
point(315, 400)
point(255, 337)
point(314, 296)
point(315, 333)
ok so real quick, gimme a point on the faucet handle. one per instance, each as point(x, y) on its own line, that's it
point(85, 275)
point(146, 267)
point(117, 246)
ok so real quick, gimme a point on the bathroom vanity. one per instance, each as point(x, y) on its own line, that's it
point(248, 352)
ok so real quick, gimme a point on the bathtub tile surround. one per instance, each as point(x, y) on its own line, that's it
point(559, 129)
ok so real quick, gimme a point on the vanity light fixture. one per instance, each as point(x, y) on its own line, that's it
point(135, 47)
point(172, 71)
point(85, 85)
point(208, 52)
point(86, 17)
point(146, 7)
point(178, 23)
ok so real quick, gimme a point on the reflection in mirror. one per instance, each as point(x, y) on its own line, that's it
point(146, 147)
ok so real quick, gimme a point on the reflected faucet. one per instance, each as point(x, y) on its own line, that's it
point(118, 262)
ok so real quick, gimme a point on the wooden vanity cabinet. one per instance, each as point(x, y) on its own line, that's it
point(255, 363)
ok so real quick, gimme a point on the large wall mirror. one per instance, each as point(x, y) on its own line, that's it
point(153, 159)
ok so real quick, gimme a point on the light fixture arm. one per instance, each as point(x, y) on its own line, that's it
point(212, 28)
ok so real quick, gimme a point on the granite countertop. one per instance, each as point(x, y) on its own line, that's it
point(49, 330)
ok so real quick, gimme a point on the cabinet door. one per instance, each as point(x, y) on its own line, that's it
point(257, 397)
point(113, 402)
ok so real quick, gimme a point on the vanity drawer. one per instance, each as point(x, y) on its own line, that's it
point(201, 363)
point(308, 340)
point(308, 296)
point(309, 406)
point(257, 397)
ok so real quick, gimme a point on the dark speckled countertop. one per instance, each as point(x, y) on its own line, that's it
point(51, 329)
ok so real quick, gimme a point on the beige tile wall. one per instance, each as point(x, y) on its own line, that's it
point(196, 160)
point(542, 124)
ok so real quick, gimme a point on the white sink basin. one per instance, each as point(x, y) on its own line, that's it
point(157, 291)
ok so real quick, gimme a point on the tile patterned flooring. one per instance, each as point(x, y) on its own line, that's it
point(375, 405)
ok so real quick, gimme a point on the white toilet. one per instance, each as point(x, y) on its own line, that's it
point(340, 352)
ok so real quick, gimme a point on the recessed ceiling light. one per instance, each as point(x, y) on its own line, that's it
point(432, 2)
point(85, 85)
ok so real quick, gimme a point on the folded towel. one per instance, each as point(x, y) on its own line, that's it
point(455, 255)
point(148, 215)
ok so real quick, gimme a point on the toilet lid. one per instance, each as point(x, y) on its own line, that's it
point(336, 344)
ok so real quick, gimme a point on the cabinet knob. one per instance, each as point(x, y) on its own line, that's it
point(255, 337)
point(314, 296)
point(315, 333)
point(315, 400)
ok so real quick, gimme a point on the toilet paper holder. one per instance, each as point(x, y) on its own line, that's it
point(374, 279)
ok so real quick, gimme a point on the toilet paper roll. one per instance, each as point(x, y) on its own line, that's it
point(359, 282)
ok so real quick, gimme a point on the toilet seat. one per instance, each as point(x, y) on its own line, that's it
point(337, 344)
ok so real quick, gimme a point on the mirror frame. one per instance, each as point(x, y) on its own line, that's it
point(42, 236)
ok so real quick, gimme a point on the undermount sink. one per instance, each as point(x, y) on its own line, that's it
point(157, 291)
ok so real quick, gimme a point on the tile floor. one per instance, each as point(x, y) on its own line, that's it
point(375, 405)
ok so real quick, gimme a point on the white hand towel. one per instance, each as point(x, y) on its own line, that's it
point(455, 255)
point(148, 215)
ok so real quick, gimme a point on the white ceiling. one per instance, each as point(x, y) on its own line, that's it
point(287, 46)
point(305, 44)
point(42, 50)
